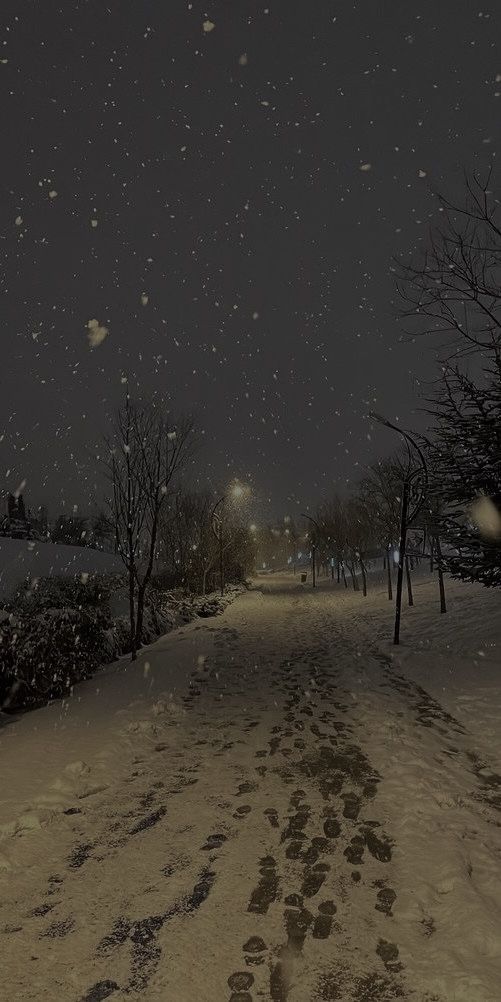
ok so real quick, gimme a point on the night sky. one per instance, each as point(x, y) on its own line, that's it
point(222, 188)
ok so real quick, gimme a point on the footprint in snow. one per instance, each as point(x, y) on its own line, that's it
point(323, 923)
point(386, 897)
point(354, 852)
point(241, 812)
point(253, 950)
point(389, 955)
point(214, 842)
point(313, 879)
point(272, 816)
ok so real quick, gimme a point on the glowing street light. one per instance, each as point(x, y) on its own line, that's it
point(235, 492)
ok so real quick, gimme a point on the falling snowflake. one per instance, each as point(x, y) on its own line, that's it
point(97, 333)
point(144, 299)
point(208, 26)
point(19, 489)
point(487, 518)
point(365, 167)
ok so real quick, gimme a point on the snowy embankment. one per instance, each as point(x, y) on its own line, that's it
point(456, 656)
point(442, 779)
point(23, 558)
point(74, 746)
point(57, 630)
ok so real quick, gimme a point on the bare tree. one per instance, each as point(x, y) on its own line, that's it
point(194, 537)
point(331, 518)
point(381, 494)
point(454, 288)
point(414, 493)
point(144, 457)
point(360, 538)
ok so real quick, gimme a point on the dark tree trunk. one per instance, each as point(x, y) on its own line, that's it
point(221, 562)
point(132, 615)
point(409, 582)
point(354, 579)
point(401, 559)
point(141, 592)
point(364, 577)
point(441, 586)
point(388, 568)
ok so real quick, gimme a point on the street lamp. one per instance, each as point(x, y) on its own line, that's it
point(313, 545)
point(406, 519)
point(235, 492)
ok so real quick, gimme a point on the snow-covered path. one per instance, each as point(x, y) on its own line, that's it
point(263, 808)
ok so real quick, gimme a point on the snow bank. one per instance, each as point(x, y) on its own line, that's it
point(76, 746)
point(22, 558)
point(456, 657)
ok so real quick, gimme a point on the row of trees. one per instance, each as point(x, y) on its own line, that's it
point(440, 495)
point(162, 529)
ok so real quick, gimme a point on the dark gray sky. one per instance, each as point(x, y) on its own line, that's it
point(223, 168)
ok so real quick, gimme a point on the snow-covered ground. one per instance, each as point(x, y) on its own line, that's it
point(20, 558)
point(456, 656)
point(273, 804)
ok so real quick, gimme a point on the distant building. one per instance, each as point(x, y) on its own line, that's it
point(15, 523)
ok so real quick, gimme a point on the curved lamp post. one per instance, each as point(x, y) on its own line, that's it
point(235, 492)
point(406, 517)
point(313, 544)
point(217, 528)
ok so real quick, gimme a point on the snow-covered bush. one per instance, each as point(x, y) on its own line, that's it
point(49, 652)
point(57, 633)
point(80, 591)
point(60, 630)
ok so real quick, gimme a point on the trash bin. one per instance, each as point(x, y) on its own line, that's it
point(303, 578)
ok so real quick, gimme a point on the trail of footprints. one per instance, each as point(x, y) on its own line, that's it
point(328, 763)
point(314, 747)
